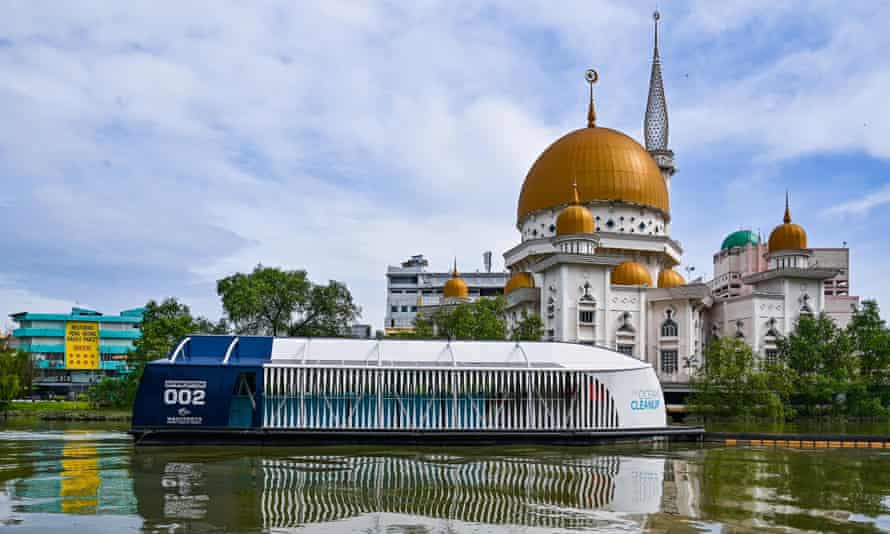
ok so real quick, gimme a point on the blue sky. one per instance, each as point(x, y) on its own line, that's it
point(148, 149)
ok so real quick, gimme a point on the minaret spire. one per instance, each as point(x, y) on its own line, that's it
point(787, 218)
point(655, 125)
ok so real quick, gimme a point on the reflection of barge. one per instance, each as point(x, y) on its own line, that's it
point(261, 389)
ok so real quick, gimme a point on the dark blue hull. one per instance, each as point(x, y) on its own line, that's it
point(168, 436)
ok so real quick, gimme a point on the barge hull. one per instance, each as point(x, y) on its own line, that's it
point(168, 436)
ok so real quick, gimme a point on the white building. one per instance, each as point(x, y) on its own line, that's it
point(410, 287)
point(596, 258)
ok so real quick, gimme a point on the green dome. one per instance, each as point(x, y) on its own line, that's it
point(739, 239)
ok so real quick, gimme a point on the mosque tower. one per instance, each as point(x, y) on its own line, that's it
point(655, 123)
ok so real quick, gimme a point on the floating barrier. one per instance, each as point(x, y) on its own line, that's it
point(798, 441)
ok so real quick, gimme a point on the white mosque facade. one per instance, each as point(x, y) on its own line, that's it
point(597, 262)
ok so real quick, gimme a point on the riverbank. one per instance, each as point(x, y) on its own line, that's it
point(65, 411)
point(803, 425)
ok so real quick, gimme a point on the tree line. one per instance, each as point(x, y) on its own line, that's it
point(483, 319)
point(820, 370)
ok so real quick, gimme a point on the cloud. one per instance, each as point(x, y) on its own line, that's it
point(146, 152)
point(863, 205)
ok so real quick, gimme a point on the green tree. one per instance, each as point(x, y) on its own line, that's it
point(16, 372)
point(329, 312)
point(165, 323)
point(423, 328)
point(272, 301)
point(820, 357)
point(869, 395)
point(10, 374)
point(529, 328)
point(731, 384)
point(480, 320)
point(871, 341)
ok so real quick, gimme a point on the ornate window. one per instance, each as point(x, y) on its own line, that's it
point(668, 361)
point(586, 316)
point(805, 305)
point(772, 331)
point(669, 327)
point(771, 356)
point(626, 325)
point(586, 288)
point(626, 349)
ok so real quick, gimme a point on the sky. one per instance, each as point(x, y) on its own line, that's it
point(149, 148)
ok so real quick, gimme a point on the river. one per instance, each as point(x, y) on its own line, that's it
point(90, 478)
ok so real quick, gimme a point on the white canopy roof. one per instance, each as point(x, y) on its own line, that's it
point(461, 354)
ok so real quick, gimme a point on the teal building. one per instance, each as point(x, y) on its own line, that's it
point(43, 336)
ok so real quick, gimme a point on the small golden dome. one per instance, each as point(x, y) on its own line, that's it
point(631, 273)
point(455, 287)
point(519, 280)
point(670, 278)
point(575, 219)
point(606, 164)
point(787, 236)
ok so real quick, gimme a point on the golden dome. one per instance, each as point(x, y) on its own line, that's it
point(519, 280)
point(455, 287)
point(575, 219)
point(670, 278)
point(606, 165)
point(631, 273)
point(787, 236)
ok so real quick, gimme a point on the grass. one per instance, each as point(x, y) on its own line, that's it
point(49, 406)
point(73, 410)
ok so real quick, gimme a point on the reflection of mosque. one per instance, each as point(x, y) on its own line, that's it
point(565, 492)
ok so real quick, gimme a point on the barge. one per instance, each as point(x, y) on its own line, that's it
point(265, 390)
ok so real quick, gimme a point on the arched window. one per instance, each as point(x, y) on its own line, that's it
point(669, 328)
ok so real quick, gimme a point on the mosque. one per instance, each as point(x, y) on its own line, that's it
point(597, 262)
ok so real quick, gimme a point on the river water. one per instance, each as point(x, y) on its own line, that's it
point(90, 478)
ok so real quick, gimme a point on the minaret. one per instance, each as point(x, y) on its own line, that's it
point(655, 125)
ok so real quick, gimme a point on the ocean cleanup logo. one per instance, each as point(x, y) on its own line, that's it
point(646, 399)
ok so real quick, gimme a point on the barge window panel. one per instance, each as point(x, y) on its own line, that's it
point(433, 399)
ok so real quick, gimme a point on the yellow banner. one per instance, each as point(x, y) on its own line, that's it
point(82, 345)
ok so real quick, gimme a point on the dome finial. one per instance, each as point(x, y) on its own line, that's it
point(787, 218)
point(454, 272)
point(591, 76)
point(656, 16)
point(655, 122)
point(575, 192)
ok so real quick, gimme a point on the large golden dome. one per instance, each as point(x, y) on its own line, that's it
point(670, 278)
point(455, 287)
point(606, 165)
point(787, 236)
point(519, 280)
point(631, 273)
point(575, 219)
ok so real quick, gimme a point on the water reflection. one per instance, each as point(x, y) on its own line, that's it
point(288, 491)
point(57, 479)
point(72, 472)
point(507, 490)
